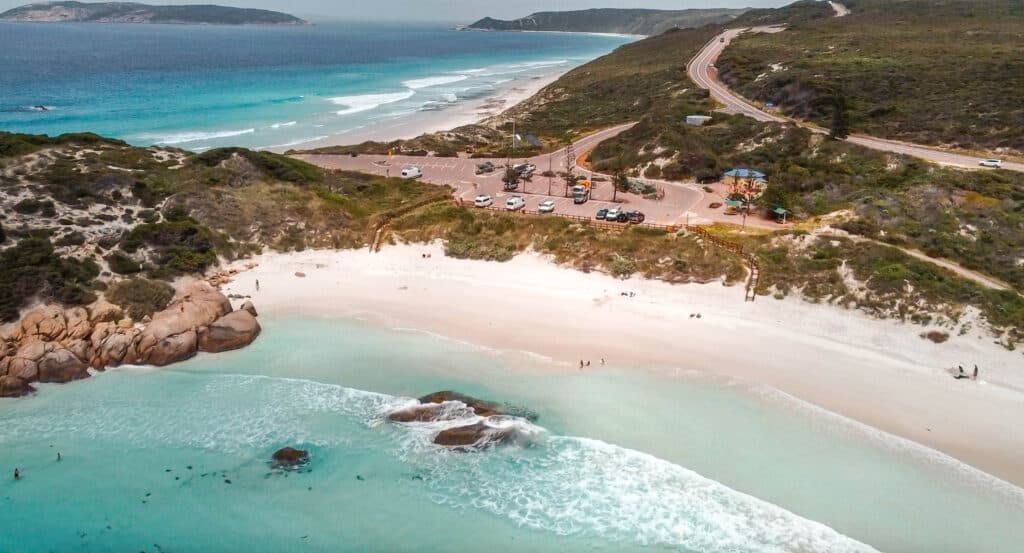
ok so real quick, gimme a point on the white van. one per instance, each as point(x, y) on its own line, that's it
point(412, 172)
point(515, 203)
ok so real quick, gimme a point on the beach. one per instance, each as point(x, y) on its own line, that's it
point(879, 373)
point(505, 96)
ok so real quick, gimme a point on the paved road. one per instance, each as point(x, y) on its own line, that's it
point(702, 71)
point(680, 199)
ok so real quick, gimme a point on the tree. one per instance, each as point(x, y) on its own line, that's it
point(511, 177)
point(747, 190)
point(620, 182)
point(840, 119)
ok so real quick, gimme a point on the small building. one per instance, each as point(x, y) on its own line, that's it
point(780, 214)
point(746, 174)
point(697, 120)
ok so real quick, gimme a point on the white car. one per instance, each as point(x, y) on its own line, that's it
point(994, 163)
point(515, 203)
point(547, 206)
point(412, 172)
point(483, 200)
point(612, 214)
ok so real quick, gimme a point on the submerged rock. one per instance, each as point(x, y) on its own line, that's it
point(12, 386)
point(289, 458)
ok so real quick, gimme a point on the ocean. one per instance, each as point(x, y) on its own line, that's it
point(198, 87)
point(617, 459)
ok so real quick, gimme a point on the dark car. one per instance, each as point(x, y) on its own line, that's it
point(622, 217)
point(601, 213)
point(635, 217)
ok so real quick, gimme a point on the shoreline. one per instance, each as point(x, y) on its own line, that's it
point(476, 111)
point(879, 373)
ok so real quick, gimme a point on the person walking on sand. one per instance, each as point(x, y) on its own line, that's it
point(975, 377)
point(961, 373)
point(581, 364)
point(257, 285)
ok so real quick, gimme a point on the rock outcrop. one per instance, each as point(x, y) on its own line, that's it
point(471, 435)
point(453, 406)
point(54, 344)
point(289, 458)
point(232, 331)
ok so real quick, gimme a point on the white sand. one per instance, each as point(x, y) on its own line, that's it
point(877, 372)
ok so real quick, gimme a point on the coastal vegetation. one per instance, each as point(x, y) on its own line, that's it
point(132, 12)
point(947, 73)
point(609, 20)
point(189, 212)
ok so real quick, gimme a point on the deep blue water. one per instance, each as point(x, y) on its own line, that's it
point(201, 86)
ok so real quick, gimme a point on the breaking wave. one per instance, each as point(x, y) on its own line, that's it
point(566, 485)
point(194, 136)
point(365, 102)
point(427, 82)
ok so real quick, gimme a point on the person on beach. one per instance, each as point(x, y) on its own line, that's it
point(588, 363)
point(960, 374)
point(602, 360)
point(17, 474)
point(975, 377)
point(257, 285)
point(581, 364)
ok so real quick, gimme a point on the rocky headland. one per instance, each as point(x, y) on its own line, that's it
point(60, 344)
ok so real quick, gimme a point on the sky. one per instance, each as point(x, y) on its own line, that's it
point(454, 11)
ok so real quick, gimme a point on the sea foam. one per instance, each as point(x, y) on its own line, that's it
point(193, 136)
point(427, 82)
point(566, 485)
point(365, 102)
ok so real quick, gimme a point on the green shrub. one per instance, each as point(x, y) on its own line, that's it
point(140, 296)
point(31, 268)
point(123, 264)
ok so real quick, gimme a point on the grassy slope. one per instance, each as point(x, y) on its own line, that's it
point(943, 72)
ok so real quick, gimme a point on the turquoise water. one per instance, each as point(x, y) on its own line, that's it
point(618, 460)
point(197, 87)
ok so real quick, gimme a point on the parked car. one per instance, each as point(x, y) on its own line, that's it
point(412, 172)
point(635, 217)
point(612, 214)
point(515, 203)
point(547, 206)
point(994, 163)
point(524, 168)
point(483, 200)
point(622, 217)
point(601, 213)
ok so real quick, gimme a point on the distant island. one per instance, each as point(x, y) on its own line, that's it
point(130, 12)
point(609, 20)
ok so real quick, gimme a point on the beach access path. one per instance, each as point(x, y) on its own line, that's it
point(878, 372)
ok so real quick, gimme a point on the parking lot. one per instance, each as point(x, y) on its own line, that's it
point(675, 208)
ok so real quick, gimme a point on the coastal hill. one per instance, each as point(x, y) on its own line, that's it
point(949, 74)
point(130, 12)
point(609, 20)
